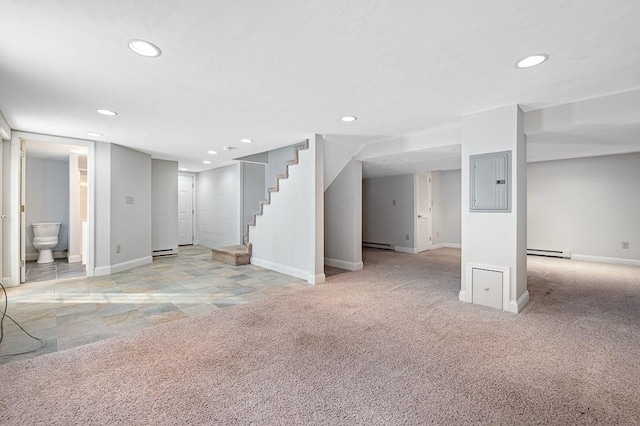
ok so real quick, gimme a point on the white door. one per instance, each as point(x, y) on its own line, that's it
point(185, 209)
point(424, 213)
point(23, 221)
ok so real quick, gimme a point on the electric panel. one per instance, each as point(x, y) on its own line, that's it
point(490, 182)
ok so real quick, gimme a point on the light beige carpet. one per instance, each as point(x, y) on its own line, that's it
point(387, 345)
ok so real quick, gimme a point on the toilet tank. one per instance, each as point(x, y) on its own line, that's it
point(45, 229)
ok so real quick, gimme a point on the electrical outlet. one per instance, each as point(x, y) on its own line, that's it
point(118, 248)
point(394, 202)
point(407, 237)
point(625, 245)
point(437, 234)
point(129, 200)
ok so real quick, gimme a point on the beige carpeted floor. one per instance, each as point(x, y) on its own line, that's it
point(387, 345)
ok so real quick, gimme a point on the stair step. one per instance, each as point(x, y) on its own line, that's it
point(233, 255)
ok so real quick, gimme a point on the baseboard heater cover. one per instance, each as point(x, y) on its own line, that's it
point(565, 254)
point(384, 246)
point(165, 252)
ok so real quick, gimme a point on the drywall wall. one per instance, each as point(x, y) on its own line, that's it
point(275, 166)
point(252, 191)
point(451, 187)
point(102, 185)
point(343, 219)
point(437, 209)
point(47, 198)
point(289, 236)
point(588, 206)
point(491, 239)
point(218, 207)
point(388, 211)
point(130, 208)
point(164, 205)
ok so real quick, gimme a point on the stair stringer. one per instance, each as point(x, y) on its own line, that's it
point(284, 235)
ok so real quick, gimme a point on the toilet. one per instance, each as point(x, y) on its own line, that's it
point(45, 239)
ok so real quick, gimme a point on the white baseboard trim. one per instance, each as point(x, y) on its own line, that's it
point(74, 258)
point(601, 259)
point(316, 279)
point(517, 306)
point(343, 264)
point(437, 246)
point(6, 281)
point(100, 271)
point(462, 296)
point(283, 269)
point(451, 245)
point(409, 250)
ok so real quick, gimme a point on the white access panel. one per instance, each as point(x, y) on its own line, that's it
point(490, 182)
point(487, 287)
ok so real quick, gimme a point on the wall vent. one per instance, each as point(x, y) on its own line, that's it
point(165, 252)
point(566, 254)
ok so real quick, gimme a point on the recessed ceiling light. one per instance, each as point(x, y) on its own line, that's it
point(106, 112)
point(349, 118)
point(532, 61)
point(212, 152)
point(79, 151)
point(94, 134)
point(182, 169)
point(207, 162)
point(144, 48)
point(246, 140)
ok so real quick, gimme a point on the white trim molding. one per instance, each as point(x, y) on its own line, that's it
point(283, 269)
point(452, 245)
point(316, 279)
point(601, 259)
point(343, 264)
point(517, 306)
point(410, 250)
point(123, 266)
point(436, 246)
point(6, 281)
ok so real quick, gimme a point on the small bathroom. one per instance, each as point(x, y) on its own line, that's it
point(55, 194)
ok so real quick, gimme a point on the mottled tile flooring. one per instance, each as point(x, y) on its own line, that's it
point(58, 270)
point(72, 312)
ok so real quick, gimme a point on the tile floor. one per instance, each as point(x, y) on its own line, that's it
point(72, 312)
point(58, 270)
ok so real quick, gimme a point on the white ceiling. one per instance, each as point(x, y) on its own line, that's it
point(276, 71)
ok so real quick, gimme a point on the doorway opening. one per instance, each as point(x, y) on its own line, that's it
point(186, 209)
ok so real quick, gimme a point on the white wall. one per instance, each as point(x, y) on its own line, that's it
point(437, 212)
point(164, 205)
point(130, 223)
point(289, 236)
point(588, 206)
point(5, 273)
point(275, 166)
point(47, 198)
point(102, 186)
point(252, 191)
point(451, 187)
point(343, 219)
point(218, 207)
point(384, 222)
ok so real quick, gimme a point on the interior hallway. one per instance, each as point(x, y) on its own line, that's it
point(67, 313)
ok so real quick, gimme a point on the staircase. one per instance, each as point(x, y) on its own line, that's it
point(241, 254)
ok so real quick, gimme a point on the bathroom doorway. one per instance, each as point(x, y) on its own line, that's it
point(51, 196)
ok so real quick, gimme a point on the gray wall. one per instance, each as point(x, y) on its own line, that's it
point(451, 205)
point(218, 207)
point(164, 205)
point(252, 190)
point(343, 217)
point(47, 198)
point(130, 223)
point(382, 221)
point(588, 206)
point(437, 211)
point(275, 167)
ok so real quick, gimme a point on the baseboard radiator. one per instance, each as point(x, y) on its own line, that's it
point(565, 254)
point(165, 252)
point(383, 246)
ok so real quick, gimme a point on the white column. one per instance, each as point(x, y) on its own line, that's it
point(496, 240)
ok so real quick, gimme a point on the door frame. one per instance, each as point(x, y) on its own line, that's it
point(193, 203)
point(15, 224)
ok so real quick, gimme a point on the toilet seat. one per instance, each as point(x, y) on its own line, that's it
point(45, 239)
